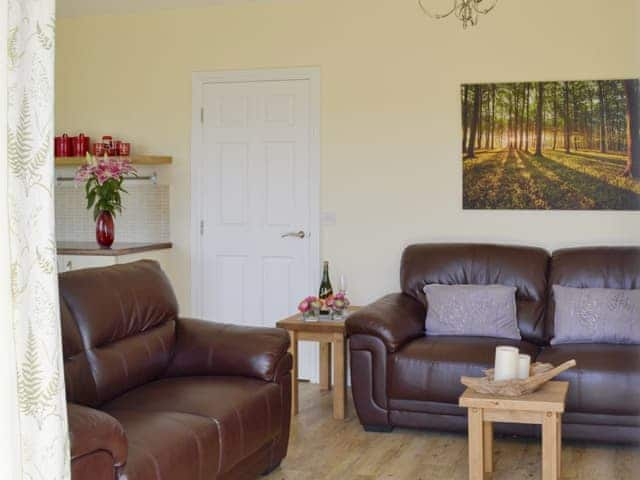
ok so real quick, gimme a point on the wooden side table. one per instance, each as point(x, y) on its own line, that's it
point(544, 407)
point(329, 334)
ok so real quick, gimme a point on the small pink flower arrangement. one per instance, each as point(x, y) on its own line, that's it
point(103, 185)
point(339, 303)
point(310, 305)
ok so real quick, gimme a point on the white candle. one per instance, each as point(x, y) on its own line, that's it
point(524, 365)
point(506, 367)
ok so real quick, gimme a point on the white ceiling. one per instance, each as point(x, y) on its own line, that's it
point(74, 8)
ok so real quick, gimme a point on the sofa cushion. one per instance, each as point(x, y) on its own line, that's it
point(596, 315)
point(164, 445)
point(592, 267)
point(246, 413)
point(124, 329)
point(429, 368)
point(473, 264)
point(472, 310)
point(606, 379)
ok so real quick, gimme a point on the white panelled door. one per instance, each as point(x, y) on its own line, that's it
point(256, 207)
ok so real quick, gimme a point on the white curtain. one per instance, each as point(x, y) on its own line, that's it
point(32, 405)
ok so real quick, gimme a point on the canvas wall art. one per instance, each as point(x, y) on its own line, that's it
point(571, 145)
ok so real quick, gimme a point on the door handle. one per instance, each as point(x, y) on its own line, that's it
point(301, 235)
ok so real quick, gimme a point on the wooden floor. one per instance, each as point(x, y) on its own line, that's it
point(324, 448)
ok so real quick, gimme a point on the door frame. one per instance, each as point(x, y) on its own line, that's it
point(199, 79)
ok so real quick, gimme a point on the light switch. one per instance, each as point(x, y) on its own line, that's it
point(328, 218)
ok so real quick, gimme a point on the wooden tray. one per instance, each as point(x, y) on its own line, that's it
point(541, 373)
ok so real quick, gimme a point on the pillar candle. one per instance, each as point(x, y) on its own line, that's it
point(506, 367)
point(524, 365)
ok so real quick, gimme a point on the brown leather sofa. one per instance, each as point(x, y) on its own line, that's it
point(153, 396)
point(400, 377)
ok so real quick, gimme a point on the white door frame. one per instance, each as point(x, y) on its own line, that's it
point(312, 74)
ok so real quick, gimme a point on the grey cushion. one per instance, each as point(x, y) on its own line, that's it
point(596, 315)
point(472, 310)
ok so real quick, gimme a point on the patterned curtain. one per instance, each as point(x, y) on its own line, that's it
point(29, 309)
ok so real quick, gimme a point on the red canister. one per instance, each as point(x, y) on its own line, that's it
point(65, 146)
point(57, 146)
point(73, 146)
point(98, 149)
point(124, 149)
point(81, 143)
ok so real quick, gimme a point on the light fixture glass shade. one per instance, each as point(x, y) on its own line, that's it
point(466, 11)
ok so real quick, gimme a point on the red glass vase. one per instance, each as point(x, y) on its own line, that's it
point(105, 230)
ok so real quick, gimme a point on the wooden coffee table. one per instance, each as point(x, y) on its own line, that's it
point(327, 333)
point(544, 407)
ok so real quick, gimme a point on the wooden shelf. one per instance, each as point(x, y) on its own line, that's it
point(92, 249)
point(135, 159)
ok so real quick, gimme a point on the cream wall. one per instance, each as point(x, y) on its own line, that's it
point(391, 167)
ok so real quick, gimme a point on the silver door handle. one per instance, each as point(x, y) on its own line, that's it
point(299, 235)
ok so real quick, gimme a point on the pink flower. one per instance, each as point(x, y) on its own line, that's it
point(84, 172)
point(304, 306)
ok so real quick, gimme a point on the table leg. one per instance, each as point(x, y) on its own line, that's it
point(294, 372)
point(559, 428)
point(476, 441)
point(487, 446)
point(550, 447)
point(339, 377)
point(325, 366)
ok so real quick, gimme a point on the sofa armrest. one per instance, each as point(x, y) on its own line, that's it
point(92, 431)
point(207, 348)
point(394, 319)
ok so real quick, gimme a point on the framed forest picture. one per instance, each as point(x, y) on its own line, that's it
point(551, 145)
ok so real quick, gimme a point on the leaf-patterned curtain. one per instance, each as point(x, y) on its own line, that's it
point(32, 378)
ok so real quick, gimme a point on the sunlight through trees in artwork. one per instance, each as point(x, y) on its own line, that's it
point(552, 145)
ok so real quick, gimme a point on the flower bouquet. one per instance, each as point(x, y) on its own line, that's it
point(338, 305)
point(103, 186)
point(310, 308)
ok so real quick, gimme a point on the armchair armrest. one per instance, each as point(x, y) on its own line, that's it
point(207, 348)
point(394, 319)
point(93, 431)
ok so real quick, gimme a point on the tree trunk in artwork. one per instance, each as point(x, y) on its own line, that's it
point(475, 118)
point(493, 117)
point(632, 93)
point(517, 116)
point(511, 124)
point(576, 118)
point(526, 128)
point(522, 125)
point(465, 117)
point(603, 116)
point(555, 116)
point(567, 119)
point(479, 128)
point(539, 120)
point(487, 127)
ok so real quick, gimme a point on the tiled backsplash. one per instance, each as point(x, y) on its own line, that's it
point(145, 216)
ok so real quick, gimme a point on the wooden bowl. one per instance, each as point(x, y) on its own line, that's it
point(541, 373)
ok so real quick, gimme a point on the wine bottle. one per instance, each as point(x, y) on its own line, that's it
point(326, 291)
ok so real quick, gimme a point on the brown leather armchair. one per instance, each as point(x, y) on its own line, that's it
point(154, 396)
point(401, 377)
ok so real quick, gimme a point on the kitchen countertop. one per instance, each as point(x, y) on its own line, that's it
point(118, 249)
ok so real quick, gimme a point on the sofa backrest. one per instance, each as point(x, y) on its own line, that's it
point(592, 267)
point(118, 327)
point(478, 264)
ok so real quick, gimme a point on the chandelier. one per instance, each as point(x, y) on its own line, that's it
point(466, 10)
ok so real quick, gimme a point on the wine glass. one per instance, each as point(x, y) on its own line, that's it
point(343, 284)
